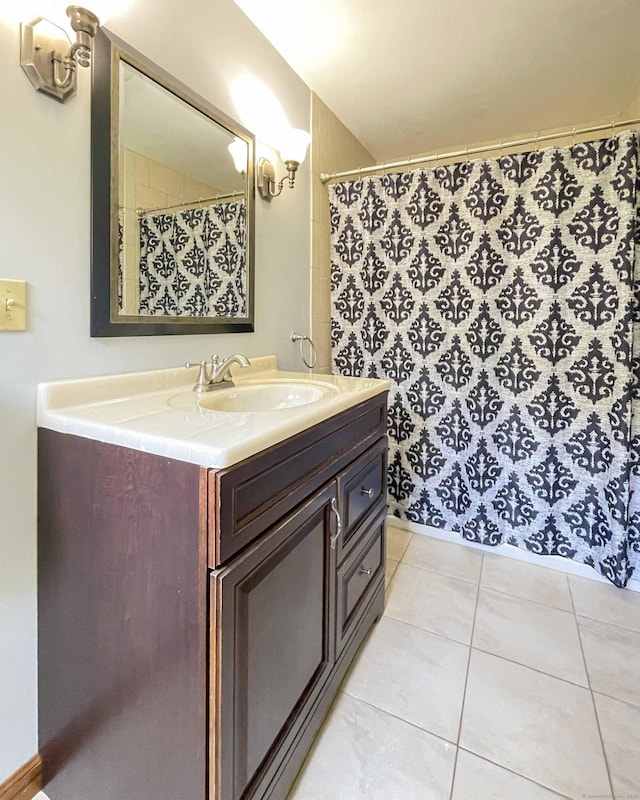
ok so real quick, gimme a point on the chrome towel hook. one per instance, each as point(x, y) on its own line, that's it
point(297, 337)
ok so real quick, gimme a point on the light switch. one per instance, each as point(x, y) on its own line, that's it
point(13, 305)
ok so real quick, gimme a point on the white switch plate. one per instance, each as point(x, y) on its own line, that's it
point(13, 305)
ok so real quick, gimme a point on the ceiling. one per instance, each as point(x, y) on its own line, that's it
point(410, 76)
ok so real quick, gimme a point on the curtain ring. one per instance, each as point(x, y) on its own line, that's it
point(536, 142)
point(613, 127)
point(466, 154)
point(573, 140)
point(297, 337)
point(500, 153)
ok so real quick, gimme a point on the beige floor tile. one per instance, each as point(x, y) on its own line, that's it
point(390, 568)
point(477, 779)
point(412, 674)
point(620, 728)
point(525, 580)
point(397, 541)
point(606, 603)
point(364, 754)
point(538, 726)
point(537, 636)
point(446, 558)
point(613, 659)
point(433, 602)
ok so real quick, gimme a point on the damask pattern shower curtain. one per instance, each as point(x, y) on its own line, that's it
point(498, 297)
point(193, 262)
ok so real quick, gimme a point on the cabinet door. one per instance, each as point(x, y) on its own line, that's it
point(272, 646)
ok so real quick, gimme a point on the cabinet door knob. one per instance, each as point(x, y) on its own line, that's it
point(365, 571)
point(336, 535)
point(368, 492)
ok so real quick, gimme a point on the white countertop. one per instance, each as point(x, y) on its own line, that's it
point(158, 412)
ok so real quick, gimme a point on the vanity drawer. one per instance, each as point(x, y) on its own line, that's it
point(359, 573)
point(360, 487)
point(249, 497)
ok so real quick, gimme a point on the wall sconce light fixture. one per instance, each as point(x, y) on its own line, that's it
point(238, 151)
point(50, 59)
point(292, 152)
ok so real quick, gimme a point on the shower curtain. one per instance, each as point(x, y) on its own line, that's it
point(193, 262)
point(498, 298)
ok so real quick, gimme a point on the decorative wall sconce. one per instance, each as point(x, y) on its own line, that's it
point(50, 59)
point(238, 151)
point(292, 152)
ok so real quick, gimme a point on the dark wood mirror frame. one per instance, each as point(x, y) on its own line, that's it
point(108, 51)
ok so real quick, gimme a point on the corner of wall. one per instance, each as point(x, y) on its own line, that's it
point(333, 148)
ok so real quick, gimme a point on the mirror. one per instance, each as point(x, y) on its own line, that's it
point(172, 204)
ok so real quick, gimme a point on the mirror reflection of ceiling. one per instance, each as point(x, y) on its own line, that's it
point(414, 76)
point(160, 126)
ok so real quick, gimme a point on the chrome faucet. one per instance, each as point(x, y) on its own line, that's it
point(217, 375)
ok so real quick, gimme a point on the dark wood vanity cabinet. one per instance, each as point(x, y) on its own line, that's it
point(274, 642)
point(195, 624)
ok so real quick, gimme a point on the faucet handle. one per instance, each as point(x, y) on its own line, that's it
point(215, 361)
point(203, 374)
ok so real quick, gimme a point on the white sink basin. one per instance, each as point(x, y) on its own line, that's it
point(264, 396)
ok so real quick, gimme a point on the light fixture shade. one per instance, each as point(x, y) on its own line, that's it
point(238, 150)
point(293, 146)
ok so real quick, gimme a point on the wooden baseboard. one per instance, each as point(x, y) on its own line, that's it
point(25, 783)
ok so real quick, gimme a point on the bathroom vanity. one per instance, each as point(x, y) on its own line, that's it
point(205, 578)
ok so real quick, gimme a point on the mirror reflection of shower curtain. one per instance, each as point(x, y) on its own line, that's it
point(120, 276)
point(498, 297)
point(192, 263)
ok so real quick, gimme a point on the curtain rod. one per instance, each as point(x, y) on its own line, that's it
point(142, 211)
point(471, 151)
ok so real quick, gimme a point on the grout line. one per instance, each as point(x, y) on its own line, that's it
point(593, 700)
point(509, 660)
point(404, 550)
point(492, 588)
point(438, 572)
point(526, 599)
point(608, 624)
point(426, 630)
point(466, 681)
point(400, 719)
point(393, 571)
point(449, 742)
point(435, 572)
point(533, 669)
point(518, 774)
point(617, 699)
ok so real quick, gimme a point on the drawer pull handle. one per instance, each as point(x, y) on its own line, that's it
point(368, 492)
point(336, 535)
point(365, 571)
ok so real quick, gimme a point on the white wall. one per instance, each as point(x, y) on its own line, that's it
point(44, 239)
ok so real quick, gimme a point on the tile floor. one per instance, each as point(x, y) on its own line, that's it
point(486, 679)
